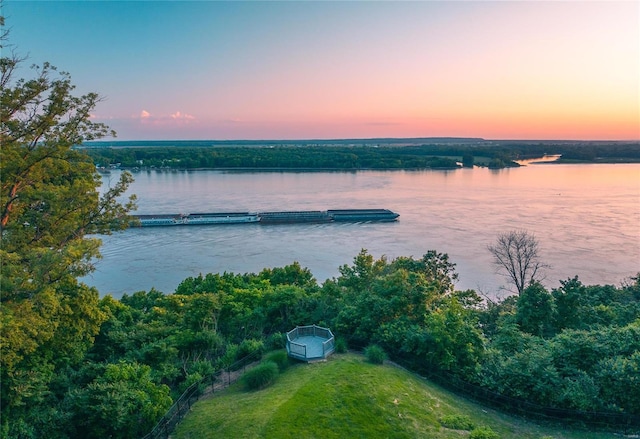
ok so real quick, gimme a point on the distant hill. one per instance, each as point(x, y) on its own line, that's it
point(272, 142)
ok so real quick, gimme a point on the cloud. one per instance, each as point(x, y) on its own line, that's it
point(180, 116)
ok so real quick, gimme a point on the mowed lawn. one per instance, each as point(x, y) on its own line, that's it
point(347, 397)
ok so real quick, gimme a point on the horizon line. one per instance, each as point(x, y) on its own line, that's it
point(362, 139)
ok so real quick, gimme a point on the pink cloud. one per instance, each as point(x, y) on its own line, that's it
point(180, 116)
point(144, 114)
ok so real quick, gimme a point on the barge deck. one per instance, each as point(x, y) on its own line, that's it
point(281, 217)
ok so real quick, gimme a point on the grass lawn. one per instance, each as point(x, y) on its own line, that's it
point(346, 397)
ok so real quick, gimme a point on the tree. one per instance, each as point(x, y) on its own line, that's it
point(467, 160)
point(49, 202)
point(516, 253)
point(122, 403)
point(535, 312)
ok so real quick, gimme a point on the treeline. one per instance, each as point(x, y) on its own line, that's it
point(286, 157)
point(341, 157)
point(575, 346)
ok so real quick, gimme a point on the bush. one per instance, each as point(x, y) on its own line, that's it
point(277, 340)
point(229, 357)
point(260, 376)
point(341, 345)
point(457, 422)
point(248, 347)
point(483, 433)
point(375, 354)
point(238, 356)
point(192, 378)
point(280, 358)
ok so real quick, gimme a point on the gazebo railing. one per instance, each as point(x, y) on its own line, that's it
point(328, 346)
point(299, 350)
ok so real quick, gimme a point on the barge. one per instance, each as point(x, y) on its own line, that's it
point(195, 219)
point(362, 215)
point(281, 217)
point(305, 216)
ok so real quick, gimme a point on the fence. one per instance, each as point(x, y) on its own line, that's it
point(208, 385)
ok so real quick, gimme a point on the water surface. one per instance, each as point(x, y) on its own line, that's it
point(586, 217)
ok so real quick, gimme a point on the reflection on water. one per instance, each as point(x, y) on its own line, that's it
point(586, 217)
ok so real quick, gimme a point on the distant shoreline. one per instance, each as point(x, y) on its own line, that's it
point(348, 155)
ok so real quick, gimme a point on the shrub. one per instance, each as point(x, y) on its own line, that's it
point(229, 357)
point(341, 345)
point(277, 340)
point(191, 379)
point(457, 422)
point(238, 356)
point(483, 433)
point(260, 376)
point(280, 358)
point(249, 347)
point(375, 354)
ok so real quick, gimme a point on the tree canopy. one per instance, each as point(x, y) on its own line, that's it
point(49, 204)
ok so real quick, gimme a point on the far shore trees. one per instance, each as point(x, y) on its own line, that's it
point(516, 254)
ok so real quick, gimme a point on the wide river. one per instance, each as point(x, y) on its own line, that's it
point(586, 218)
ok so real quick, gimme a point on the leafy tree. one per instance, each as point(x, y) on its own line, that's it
point(535, 310)
point(292, 274)
point(619, 383)
point(467, 160)
point(121, 403)
point(569, 299)
point(49, 202)
point(359, 276)
point(516, 253)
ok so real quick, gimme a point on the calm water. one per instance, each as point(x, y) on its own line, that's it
point(586, 217)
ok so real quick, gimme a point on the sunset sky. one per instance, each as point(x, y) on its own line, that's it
point(357, 69)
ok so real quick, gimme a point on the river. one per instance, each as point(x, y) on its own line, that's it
point(586, 218)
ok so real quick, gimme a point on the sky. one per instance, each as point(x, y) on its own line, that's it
point(186, 70)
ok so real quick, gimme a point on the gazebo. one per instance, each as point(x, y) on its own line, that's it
point(308, 343)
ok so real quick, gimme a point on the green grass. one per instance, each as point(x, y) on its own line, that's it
point(348, 397)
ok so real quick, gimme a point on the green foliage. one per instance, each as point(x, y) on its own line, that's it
point(49, 203)
point(457, 422)
point(122, 403)
point(535, 311)
point(575, 368)
point(483, 433)
point(281, 157)
point(341, 345)
point(409, 307)
point(619, 383)
point(375, 354)
point(588, 307)
point(467, 160)
point(280, 358)
point(292, 274)
point(277, 340)
point(250, 347)
point(237, 356)
point(260, 376)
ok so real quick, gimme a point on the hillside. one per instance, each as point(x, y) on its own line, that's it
point(348, 397)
